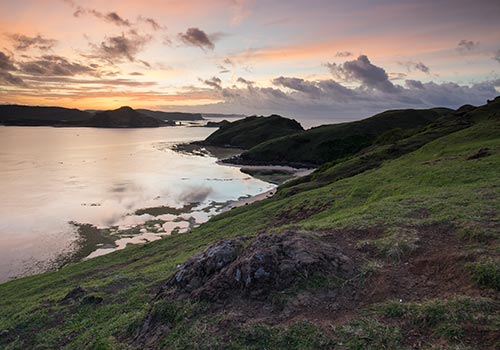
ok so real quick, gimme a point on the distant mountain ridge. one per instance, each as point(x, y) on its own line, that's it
point(124, 117)
point(171, 115)
point(40, 115)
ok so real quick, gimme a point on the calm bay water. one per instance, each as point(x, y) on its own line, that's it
point(50, 177)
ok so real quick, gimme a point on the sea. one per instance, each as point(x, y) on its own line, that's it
point(54, 180)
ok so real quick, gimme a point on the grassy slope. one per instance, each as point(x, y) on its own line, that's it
point(330, 142)
point(436, 179)
point(248, 132)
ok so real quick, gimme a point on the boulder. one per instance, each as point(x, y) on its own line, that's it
point(269, 263)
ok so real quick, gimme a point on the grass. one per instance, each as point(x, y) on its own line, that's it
point(327, 143)
point(396, 244)
point(438, 318)
point(486, 273)
point(432, 184)
point(369, 334)
point(298, 336)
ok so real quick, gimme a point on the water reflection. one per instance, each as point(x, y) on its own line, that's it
point(51, 176)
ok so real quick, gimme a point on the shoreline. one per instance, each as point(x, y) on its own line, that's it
point(247, 200)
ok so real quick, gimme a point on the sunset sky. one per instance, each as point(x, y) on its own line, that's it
point(331, 59)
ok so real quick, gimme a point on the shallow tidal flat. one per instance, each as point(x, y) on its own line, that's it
point(74, 193)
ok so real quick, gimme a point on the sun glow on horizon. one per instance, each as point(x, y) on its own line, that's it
point(249, 56)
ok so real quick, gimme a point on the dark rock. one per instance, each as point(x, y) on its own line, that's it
point(4, 333)
point(196, 271)
point(217, 124)
point(270, 263)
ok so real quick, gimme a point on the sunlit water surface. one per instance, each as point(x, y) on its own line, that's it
point(50, 177)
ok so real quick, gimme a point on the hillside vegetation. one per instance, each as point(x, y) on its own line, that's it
point(330, 142)
point(251, 131)
point(385, 249)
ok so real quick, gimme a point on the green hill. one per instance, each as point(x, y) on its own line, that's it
point(248, 132)
point(401, 255)
point(329, 142)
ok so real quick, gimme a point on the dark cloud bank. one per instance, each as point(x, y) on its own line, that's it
point(330, 98)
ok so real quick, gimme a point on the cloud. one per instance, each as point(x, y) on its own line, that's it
point(6, 63)
point(22, 42)
point(413, 66)
point(110, 17)
point(467, 45)
point(363, 71)
point(222, 69)
point(7, 78)
point(343, 54)
point(119, 48)
point(197, 37)
point(421, 67)
point(397, 76)
point(72, 83)
point(213, 82)
point(114, 18)
point(244, 81)
point(302, 98)
point(6, 67)
point(298, 84)
point(53, 65)
point(414, 84)
point(154, 25)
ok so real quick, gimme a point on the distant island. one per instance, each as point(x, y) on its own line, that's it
point(123, 117)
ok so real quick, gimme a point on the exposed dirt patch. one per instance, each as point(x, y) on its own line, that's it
point(284, 287)
point(299, 213)
point(435, 269)
point(483, 152)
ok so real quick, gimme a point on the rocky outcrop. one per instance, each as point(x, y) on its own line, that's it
point(255, 268)
point(217, 124)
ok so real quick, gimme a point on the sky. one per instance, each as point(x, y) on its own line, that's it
point(332, 59)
